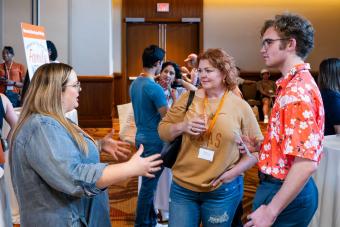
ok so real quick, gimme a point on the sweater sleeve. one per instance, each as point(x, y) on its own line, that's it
point(249, 125)
point(174, 115)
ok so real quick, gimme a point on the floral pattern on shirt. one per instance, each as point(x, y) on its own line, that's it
point(296, 125)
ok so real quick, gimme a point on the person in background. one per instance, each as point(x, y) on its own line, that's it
point(240, 81)
point(149, 107)
point(167, 77)
point(292, 148)
point(267, 90)
point(329, 84)
point(189, 71)
point(6, 113)
point(56, 171)
point(12, 75)
point(169, 72)
point(52, 51)
point(207, 175)
point(171, 81)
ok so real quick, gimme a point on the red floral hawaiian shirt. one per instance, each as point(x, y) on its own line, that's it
point(296, 125)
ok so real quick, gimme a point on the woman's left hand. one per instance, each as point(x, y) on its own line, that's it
point(223, 178)
point(118, 149)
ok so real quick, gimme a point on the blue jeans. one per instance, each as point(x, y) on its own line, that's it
point(299, 212)
point(215, 208)
point(145, 212)
point(13, 97)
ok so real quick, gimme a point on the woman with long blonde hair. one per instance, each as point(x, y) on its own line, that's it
point(56, 171)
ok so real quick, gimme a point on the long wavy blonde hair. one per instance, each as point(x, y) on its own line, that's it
point(44, 97)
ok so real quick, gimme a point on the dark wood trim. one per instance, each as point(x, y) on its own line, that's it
point(96, 101)
point(96, 78)
point(117, 75)
point(161, 20)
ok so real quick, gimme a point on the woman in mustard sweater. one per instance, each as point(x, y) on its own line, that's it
point(207, 176)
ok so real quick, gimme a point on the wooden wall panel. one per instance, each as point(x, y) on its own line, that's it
point(96, 101)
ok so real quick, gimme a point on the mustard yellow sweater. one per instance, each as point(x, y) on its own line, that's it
point(194, 173)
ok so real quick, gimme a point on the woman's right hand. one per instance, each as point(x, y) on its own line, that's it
point(145, 166)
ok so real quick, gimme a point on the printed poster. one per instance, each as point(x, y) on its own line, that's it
point(35, 46)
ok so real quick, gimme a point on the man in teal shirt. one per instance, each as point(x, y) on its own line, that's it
point(149, 106)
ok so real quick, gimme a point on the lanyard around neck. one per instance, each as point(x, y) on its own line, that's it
point(213, 121)
point(8, 70)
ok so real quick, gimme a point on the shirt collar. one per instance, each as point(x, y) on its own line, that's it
point(283, 82)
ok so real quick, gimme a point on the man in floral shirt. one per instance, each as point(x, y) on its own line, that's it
point(291, 151)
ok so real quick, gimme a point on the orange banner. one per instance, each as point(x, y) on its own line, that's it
point(32, 31)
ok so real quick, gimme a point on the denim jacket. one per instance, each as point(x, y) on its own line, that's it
point(54, 181)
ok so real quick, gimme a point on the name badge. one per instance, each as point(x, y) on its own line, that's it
point(10, 88)
point(206, 154)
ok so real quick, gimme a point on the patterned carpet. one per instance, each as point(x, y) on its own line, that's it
point(123, 196)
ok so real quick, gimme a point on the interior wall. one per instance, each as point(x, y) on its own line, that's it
point(90, 37)
point(15, 12)
point(54, 16)
point(81, 30)
point(235, 26)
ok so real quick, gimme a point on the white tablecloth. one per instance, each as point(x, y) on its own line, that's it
point(327, 179)
point(72, 115)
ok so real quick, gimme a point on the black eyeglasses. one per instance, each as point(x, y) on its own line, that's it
point(267, 42)
point(75, 85)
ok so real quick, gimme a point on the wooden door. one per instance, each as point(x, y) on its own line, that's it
point(138, 36)
point(177, 39)
point(181, 40)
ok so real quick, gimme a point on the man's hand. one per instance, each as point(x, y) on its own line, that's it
point(118, 149)
point(261, 217)
point(252, 143)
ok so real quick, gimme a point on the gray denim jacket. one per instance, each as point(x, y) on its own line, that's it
point(54, 181)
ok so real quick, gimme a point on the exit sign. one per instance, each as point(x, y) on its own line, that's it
point(163, 7)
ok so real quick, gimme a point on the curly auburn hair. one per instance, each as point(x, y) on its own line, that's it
point(224, 62)
point(293, 26)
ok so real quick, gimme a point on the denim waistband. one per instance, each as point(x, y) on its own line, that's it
point(269, 178)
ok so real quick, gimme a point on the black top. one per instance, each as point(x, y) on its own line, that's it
point(331, 102)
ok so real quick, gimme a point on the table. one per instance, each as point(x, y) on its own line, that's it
point(327, 179)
